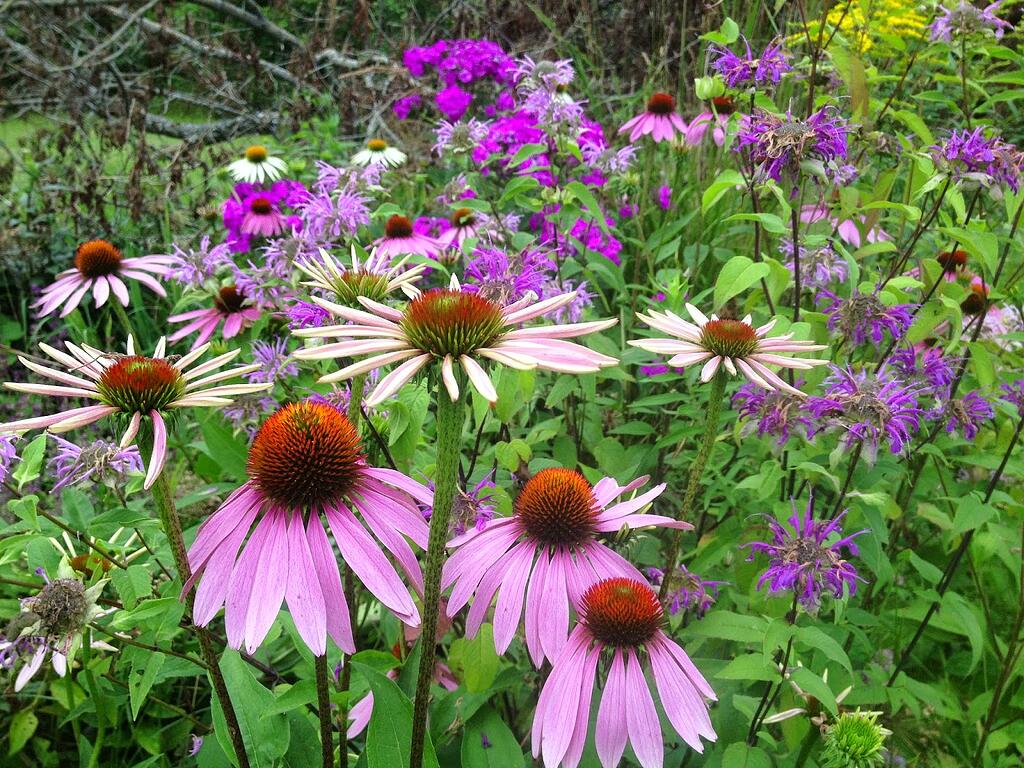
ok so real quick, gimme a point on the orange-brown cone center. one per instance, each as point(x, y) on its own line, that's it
point(729, 338)
point(306, 454)
point(557, 507)
point(661, 104)
point(445, 322)
point(621, 612)
point(398, 226)
point(141, 384)
point(256, 154)
point(229, 300)
point(97, 258)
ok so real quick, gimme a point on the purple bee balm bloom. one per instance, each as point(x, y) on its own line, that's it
point(405, 105)
point(927, 365)
point(966, 413)
point(974, 157)
point(548, 75)
point(274, 361)
point(106, 462)
point(665, 197)
point(803, 560)
point(504, 279)
point(783, 145)
point(1013, 393)
point(193, 266)
point(303, 314)
point(867, 408)
point(686, 590)
point(744, 71)
point(330, 216)
point(470, 509)
point(459, 137)
point(863, 316)
point(195, 744)
point(965, 19)
point(573, 311)
point(769, 412)
point(819, 267)
point(453, 102)
point(8, 454)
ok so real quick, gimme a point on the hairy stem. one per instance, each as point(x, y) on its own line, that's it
point(714, 413)
point(450, 416)
point(323, 706)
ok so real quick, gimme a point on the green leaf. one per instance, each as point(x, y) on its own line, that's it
point(389, 737)
point(816, 639)
point(141, 679)
point(265, 738)
point(26, 508)
point(480, 661)
point(525, 152)
point(738, 274)
point(31, 460)
point(298, 695)
point(586, 197)
point(131, 584)
point(225, 448)
point(23, 725)
point(502, 750)
point(971, 513)
point(966, 622)
point(748, 666)
point(726, 625)
point(744, 756)
point(725, 181)
point(814, 685)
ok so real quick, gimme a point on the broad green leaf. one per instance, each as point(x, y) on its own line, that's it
point(814, 685)
point(818, 640)
point(27, 468)
point(748, 666)
point(389, 737)
point(225, 448)
point(971, 513)
point(141, 679)
point(738, 274)
point(725, 181)
point(726, 625)
point(744, 756)
point(480, 662)
point(489, 743)
point(525, 152)
point(23, 725)
point(586, 197)
point(266, 738)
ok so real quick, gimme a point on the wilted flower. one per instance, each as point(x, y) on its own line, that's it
point(460, 137)
point(863, 316)
point(769, 412)
point(804, 561)
point(103, 461)
point(819, 266)
point(868, 408)
point(784, 146)
point(686, 590)
point(471, 510)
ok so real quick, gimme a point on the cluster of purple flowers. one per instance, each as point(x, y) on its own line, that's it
point(770, 412)
point(805, 562)
point(195, 266)
point(868, 409)
point(744, 71)
point(686, 590)
point(819, 266)
point(970, 155)
point(101, 461)
point(254, 210)
point(502, 278)
point(274, 360)
point(863, 316)
point(781, 146)
point(965, 18)
point(8, 454)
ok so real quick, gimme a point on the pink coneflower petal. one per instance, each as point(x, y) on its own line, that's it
point(75, 299)
point(612, 731)
point(156, 461)
point(641, 715)
point(390, 537)
point(240, 584)
point(270, 582)
point(303, 593)
point(479, 379)
point(339, 626)
point(684, 708)
point(509, 608)
point(118, 288)
point(216, 567)
point(395, 380)
point(448, 377)
point(491, 583)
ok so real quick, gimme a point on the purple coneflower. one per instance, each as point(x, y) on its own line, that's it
point(305, 465)
point(735, 345)
point(100, 267)
point(228, 307)
point(715, 119)
point(400, 239)
point(863, 316)
point(620, 628)
point(374, 276)
point(804, 562)
point(549, 549)
point(465, 223)
point(102, 461)
point(686, 590)
point(750, 71)
point(660, 120)
point(867, 408)
point(450, 326)
point(769, 412)
point(133, 385)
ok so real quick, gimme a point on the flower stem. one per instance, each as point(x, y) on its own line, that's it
point(714, 413)
point(172, 529)
point(122, 315)
point(450, 416)
point(323, 705)
point(768, 698)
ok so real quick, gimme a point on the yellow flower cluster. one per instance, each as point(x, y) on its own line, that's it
point(861, 21)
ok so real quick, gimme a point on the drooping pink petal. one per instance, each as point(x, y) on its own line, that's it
point(339, 622)
point(582, 719)
point(562, 692)
point(509, 608)
point(535, 595)
point(243, 577)
point(641, 716)
point(374, 514)
point(611, 731)
point(682, 703)
point(156, 461)
point(272, 573)
point(303, 594)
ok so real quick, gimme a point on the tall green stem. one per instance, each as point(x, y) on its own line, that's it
point(450, 416)
point(714, 413)
point(323, 705)
point(172, 529)
point(122, 316)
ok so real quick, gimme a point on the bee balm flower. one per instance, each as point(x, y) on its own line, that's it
point(548, 547)
point(732, 344)
point(620, 621)
point(452, 327)
point(133, 385)
point(100, 267)
point(257, 166)
point(306, 465)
